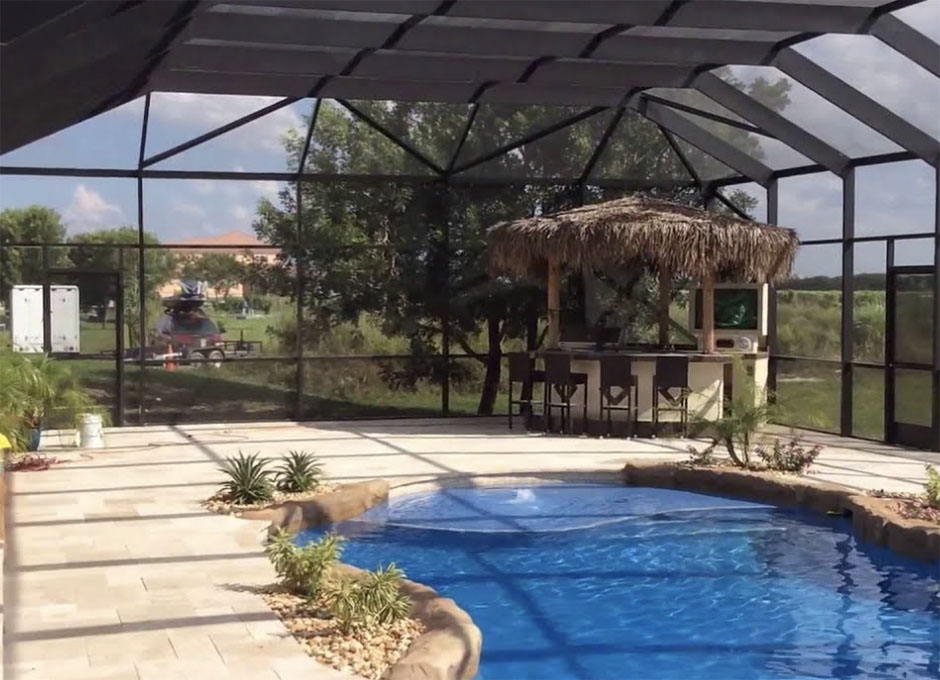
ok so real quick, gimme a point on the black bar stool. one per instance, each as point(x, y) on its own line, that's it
point(618, 384)
point(522, 370)
point(561, 382)
point(672, 373)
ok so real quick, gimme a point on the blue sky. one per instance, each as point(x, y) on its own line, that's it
point(891, 199)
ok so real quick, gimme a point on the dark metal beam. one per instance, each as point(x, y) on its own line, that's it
point(847, 331)
point(212, 134)
point(732, 206)
point(860, 106)
point(704, 140)
point(560, 125)
point(462, 139)
point(787, 132)
point(689, 168)
point(724, 120)
point(382, 130)
point(601, 145)
point(314, 114)
point(910, 42)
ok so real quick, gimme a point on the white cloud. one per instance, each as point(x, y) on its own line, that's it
point(89, 210)
point(186, 208)
point(240, 213)
point(212, 111)
point(266, 189)
point(203, 186)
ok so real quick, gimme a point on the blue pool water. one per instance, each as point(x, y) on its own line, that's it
point(608, 582)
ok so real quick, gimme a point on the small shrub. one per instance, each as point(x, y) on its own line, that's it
point(299, 471)
point(932, 487)
point(248, 479)
point(376, 599)
point(704, 457)
point(789, 457)
point(303, 570)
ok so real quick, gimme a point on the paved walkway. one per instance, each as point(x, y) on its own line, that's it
point(114, 571)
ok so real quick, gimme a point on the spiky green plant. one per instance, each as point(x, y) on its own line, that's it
point(932, 487)
point(248, 479)
point(303, 570)
point(376, 599)
point(299, 472)
point(381, 593)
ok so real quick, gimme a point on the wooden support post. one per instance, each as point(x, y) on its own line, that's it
point(665, 290)
point(554, 304)
point(708, 313)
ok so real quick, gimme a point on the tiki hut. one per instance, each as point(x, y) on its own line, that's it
point(669, 238)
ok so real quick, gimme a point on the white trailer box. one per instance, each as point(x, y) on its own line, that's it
point(26, 319)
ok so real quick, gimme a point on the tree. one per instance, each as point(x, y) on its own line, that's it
point(32, 224)
point(89, 252)
point(414, 255)
point(220, 270)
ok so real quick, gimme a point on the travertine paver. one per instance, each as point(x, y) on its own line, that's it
point(115, 571)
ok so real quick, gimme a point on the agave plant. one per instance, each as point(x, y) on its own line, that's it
point(248, 479)
point(299, 472)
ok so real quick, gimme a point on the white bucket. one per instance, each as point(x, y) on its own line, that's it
point(91, 435)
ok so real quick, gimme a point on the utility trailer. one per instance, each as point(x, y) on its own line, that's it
point(27, 322)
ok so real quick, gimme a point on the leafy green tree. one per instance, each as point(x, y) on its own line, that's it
point(32, 224)
point(89, 252)
point(383, 248)
point(221, 271)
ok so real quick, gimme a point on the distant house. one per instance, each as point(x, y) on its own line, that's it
point(244, 246)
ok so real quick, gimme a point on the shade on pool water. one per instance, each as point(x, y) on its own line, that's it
point(595, 581)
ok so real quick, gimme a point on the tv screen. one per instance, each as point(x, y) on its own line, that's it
point(735, 309)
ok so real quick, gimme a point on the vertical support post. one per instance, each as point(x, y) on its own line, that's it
point(299, 294)
point(119, 336)
point(772, 348)
point(936, 312)
point(848, 299)
point(708, 313)
point(141, 304)
point(554, 304)
point(46, 303)
point(443, 203)
point(890, 301)
point(665, 289)
point(141, 300)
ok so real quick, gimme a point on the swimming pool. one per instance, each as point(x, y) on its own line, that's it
point(594, 582)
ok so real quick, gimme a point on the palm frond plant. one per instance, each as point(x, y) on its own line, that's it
point(248, 479)
point(300, 471)
point(37, 393)
point(381, 592)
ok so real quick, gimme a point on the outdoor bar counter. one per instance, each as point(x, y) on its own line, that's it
point(707, 382)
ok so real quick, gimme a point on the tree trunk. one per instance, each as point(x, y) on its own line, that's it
point(494, 357)
point(665, 289)
point(708, 314)
point(554, 304)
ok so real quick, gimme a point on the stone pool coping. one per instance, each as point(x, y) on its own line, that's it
point(873, 519)
point(449, 649)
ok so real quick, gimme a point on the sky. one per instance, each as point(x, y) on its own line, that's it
point(891, 199)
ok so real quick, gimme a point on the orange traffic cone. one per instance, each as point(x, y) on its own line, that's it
point(170, 362)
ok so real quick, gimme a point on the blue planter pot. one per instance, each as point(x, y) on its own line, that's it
point(35, 435)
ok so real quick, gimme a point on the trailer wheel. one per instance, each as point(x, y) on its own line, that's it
point(215, 358)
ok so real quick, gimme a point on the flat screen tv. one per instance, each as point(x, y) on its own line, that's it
point(736, 308)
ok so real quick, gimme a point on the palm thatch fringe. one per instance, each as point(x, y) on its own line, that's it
point(661, 235)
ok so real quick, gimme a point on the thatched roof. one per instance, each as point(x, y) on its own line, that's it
point(660, 234)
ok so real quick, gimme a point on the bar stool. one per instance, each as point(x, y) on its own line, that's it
point(561, 382)
point(672, 373)
point(617, 374)
point(522, 370)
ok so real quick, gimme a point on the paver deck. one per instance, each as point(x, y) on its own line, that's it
point(113, 570)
